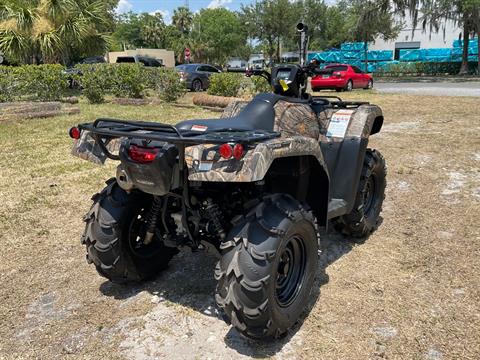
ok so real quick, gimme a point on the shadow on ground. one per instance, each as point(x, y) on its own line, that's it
point(189, 282)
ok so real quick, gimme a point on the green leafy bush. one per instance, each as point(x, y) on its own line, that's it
point(96, 80)
point(129, 80)
point(422, 68)
point(45, 82)
point(9, 86)
point(32, 82)
point(261, 84)
point(166, 83)
point(225, 84)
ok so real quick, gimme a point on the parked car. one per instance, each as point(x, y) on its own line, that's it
point(196, 76)
point(342, 77)
point(145, 60)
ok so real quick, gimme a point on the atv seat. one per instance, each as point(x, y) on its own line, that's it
point(257, 115)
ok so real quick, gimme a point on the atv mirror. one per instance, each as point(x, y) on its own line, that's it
point(301, 27)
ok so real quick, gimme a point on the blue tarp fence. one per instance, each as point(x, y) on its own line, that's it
point(353, 53)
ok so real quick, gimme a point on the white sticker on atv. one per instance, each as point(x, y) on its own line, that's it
point(199, 128)
point(339, 123)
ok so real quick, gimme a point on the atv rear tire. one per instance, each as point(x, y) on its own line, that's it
point(268, 266)
point(364, 218)
point(114, 231)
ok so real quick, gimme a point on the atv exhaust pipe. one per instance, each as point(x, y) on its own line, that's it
point(123, 179)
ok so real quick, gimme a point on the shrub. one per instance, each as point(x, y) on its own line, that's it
point(9, 85)
point(166, 83)
point(32, 82)
point(96, 80)
point(225, 84)
point(45, 82)
point(261, 84)
point(129, 80)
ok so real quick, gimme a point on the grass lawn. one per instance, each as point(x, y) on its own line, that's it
point(412, 290)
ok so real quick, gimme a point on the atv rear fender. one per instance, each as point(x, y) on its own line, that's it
point(292, 165)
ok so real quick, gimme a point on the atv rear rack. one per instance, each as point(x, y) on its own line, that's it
point(113, 128)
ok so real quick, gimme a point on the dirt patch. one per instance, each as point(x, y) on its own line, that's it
point(410, 291)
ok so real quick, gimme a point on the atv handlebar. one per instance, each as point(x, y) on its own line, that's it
point(253, 72)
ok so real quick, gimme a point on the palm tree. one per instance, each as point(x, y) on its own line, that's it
point(153, 31)
point(182, 19)
point(52, 30)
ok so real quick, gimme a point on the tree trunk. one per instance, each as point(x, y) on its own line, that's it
point(365, 49)
point(278, 50)
point(478, 43)
point(464, 66)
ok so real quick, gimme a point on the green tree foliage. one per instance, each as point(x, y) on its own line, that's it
point(217, 34)
point(272, 21)
point(182, 19)
point(51, 31)
point(139, 30)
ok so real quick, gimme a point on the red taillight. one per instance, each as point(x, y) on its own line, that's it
point(74, 133)
point(225, 151)
point(142, 155)
point(337, 74)
point(238, 151)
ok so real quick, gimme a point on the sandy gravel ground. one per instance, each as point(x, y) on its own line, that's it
point(411, 291)
point(446, 88)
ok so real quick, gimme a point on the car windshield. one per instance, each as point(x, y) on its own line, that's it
point(125, 59)
point(337, 68)
point(185, 67)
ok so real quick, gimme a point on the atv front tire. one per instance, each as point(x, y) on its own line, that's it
point(364, 218)
point(114, 233)
point(268, 266)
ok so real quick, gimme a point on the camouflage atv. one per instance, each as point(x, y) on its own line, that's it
point(254, 186)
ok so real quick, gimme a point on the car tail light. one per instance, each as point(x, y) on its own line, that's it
point(142, 155)
point(338, 74)
point(226, 151)
point(74, 133)
point(182, 75)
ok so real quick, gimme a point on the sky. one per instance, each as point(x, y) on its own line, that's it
point(166, 7)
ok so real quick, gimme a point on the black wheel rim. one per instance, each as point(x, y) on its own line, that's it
point(291, 271)
point(369, 194)
point(136, 237)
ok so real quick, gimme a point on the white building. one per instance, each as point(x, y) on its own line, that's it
point(418, 39)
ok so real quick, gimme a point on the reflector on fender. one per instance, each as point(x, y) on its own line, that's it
point(74, 133)
point(142, 155)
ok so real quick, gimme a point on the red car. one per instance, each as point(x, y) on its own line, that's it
point(342, 77)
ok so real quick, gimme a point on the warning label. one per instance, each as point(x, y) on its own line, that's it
point(339, 123)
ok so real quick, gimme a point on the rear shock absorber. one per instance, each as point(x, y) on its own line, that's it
point(214, 214)
point(152, 219)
